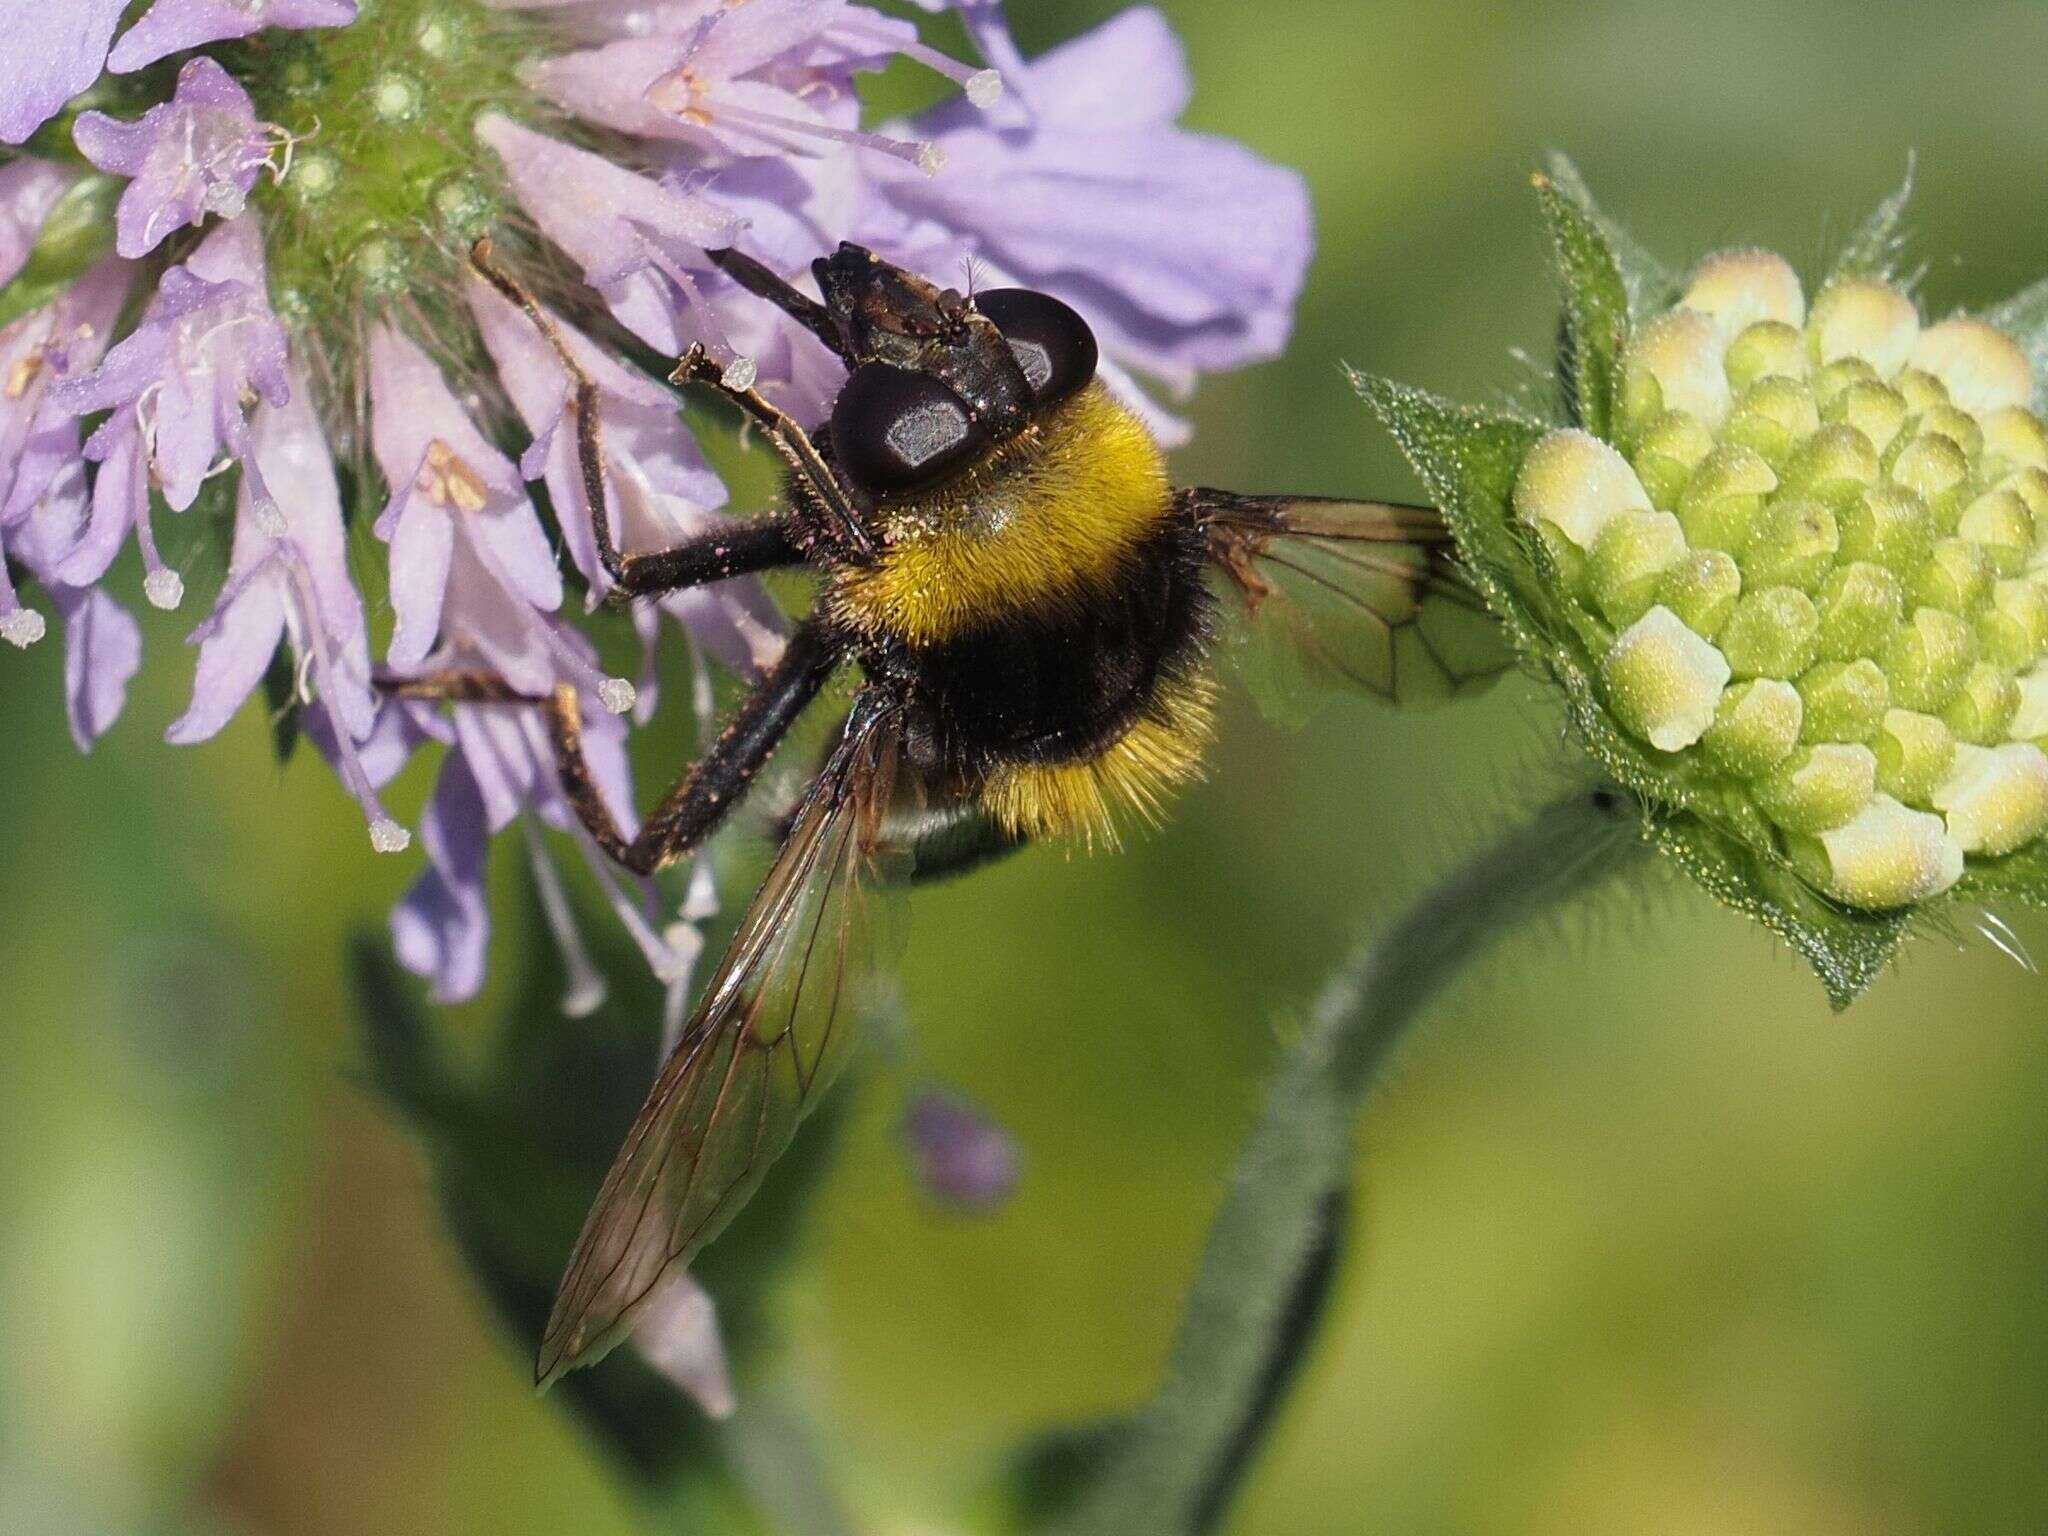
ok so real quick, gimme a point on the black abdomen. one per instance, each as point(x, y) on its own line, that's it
point(1062, 684)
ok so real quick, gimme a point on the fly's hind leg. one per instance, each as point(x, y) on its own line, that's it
point(707, 791)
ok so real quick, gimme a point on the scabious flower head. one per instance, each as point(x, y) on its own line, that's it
point(1788, 556)
point(233, 287)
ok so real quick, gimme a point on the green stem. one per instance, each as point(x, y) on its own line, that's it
point(1257, 1292)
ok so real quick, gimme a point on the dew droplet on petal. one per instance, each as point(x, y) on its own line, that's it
point(741, 372)
point(616, 695)
point(387, 836)
point(21, 627)
point(985, 88)
point(930, 158)
point(164, 588)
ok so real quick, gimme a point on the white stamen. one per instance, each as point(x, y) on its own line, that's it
point(616, 694)
point(164, 588)
point(985, 88)
point(585, 990)
point(21, 627)
point(387, 836)
point(1999, 934)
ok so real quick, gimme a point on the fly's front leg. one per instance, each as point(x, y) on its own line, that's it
point(707, 791)
point(708, 557)
point(790, 440)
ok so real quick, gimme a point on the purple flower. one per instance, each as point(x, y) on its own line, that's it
point(288, 580)
point(961, 1157)
point(1186, 253)
point(54, 50)
point(195, 155)
point(171, 26)
point(180, 377)
point(636, 239)
point(448, 487)
point(659, 489)
point(29, 189)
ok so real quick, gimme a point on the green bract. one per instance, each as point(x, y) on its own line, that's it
point(1788, 560)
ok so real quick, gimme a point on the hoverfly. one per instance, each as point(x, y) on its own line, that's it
point(1028, 603)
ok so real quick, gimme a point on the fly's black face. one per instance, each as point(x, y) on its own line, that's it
point(937, 378)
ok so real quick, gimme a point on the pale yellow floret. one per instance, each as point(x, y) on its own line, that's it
point(1889, 856)
point(1982, 367)
point(2030, 720)
point(1663, 680)
point(1863, 318)
point(1576, 483)
point(1995, 798)
point(1683, 352)
point(1740, 288)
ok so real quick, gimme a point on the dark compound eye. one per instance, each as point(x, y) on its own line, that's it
point(1052, 344)
point(895, 430)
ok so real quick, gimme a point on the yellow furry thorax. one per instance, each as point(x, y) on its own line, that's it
point(1059, 506)
point(1082, 799)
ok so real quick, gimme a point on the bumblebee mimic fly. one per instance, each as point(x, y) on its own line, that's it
point(1031, 609)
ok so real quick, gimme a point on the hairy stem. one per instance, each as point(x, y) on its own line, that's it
point(1264, 1274)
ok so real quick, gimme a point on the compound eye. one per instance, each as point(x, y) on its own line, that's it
point(897, 430)
point(1052, 343)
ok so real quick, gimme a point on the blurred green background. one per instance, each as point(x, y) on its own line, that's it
point(1649, 1241)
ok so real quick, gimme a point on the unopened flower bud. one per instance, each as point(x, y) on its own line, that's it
point(1995, 798)
point(2030, 720)
point(1673, 363)
point(1756, 726)
point(1913, 755)
point(2014, 439)
point(1628, 563)
point(1861, 317)
point(1773, 416)
point(1982, 368)
point(1876, 410)
point(1860, 605)
point(1938, 472)
point(1742, 288)
point(1575, 483)
point(1774, 632)
point(1983, 707)
point(1702, 589)
point(1663, 680)
point(2013, 629)
point(1835, 465)
point(1717, 506)
point(1669, 449)
point(1959, 427)
point(1957, 577)
point(1792, 543)
point(1922, 390)
point(1845, 700)
point(1999, 523)
point(1885, 856)
point(1928, 658)
point(1890, 526)
point(1768, 348)
point(1819, 787)
point(1844, 373)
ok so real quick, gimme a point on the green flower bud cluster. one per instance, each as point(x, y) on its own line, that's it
point(1812, 566)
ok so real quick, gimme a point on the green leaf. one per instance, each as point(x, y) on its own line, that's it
point(1595, 316)
point(518, 1148)
point(2020, 876)
point(1265, 1274)
point(2024, 317)
point(1467, 460)
point(1846, 948)
point(1651, 285)
point(78, 231)
point(1874, 249)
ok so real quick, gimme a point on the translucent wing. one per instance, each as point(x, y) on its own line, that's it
point(1356, 594)
point(772, 1028)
